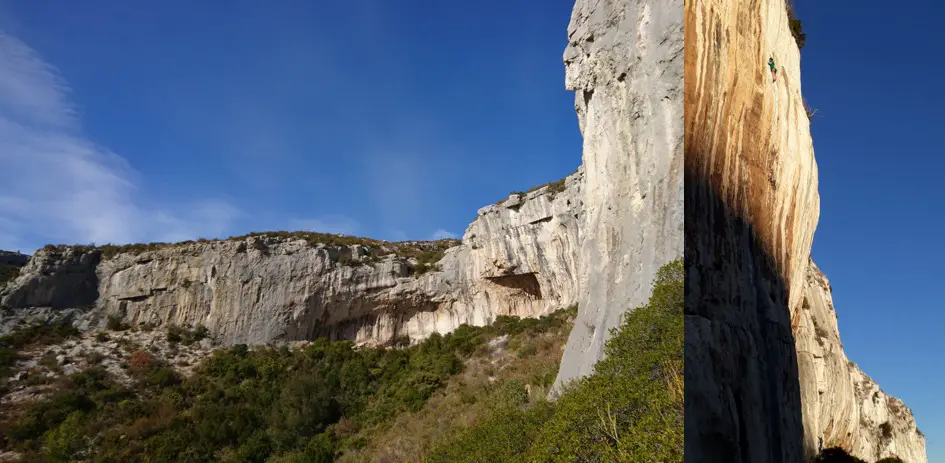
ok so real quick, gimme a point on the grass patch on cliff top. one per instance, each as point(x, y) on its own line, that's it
point(426, 252)
point(554, 188)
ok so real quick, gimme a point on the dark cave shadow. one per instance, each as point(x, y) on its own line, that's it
point(524, 282)
point(742, 394)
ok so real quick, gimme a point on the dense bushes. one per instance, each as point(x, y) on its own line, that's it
point(272, 404)
point(630, 409)
point(115, 323)
point(185, 336)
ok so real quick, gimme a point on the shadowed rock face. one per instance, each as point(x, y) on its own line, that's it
point(757, 380)
point(742, 394)
point(60, 279)
point(624, 63)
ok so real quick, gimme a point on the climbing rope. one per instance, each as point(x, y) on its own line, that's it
point(779, 68)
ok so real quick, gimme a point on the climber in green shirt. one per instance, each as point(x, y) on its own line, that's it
point(774, 71)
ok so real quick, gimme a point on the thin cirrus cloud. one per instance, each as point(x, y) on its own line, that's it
point(443, 234)
point(60, 186)
point(337, 224)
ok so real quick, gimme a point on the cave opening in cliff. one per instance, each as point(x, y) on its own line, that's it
point(525, 282)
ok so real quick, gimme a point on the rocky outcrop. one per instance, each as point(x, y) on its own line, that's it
point(624, 62)
point(519, 257)
point(842, 405)
point(753, 381)
point(58, 278)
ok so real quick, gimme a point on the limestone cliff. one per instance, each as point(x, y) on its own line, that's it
point(842, 405)
point(752, 381)
point(519, 257)
point(624, 63)
point(598, 242)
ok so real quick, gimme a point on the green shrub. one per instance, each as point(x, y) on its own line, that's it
point(890, 460)
point(554, 188)
point(81, 392)
point(115, 323)
point(630, 409)
point(186, 336)
point(527, 350)
point(886, 430)
point(504, 437)
point(64, 443)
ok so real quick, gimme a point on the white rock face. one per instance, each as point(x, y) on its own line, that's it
point(625, 64)
point(842, 405)
point(515, 259)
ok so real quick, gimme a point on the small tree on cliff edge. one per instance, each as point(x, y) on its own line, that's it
point(797, 29)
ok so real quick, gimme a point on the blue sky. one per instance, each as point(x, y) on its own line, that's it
point(174, 120)
point(185, 119)
point(875, 74)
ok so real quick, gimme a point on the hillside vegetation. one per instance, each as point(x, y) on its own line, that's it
point(271, 404)
point(629, 410)
point(475, 395)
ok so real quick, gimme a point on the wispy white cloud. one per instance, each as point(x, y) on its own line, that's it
point(59, 186)
point(443, 234)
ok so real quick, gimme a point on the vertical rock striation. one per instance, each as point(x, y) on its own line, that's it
point(841, 404)
point(624, 62)
point(760, 385)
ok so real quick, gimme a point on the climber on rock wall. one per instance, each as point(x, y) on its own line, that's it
point(774, 71)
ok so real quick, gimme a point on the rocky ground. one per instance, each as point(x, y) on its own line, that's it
point(36, 373)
